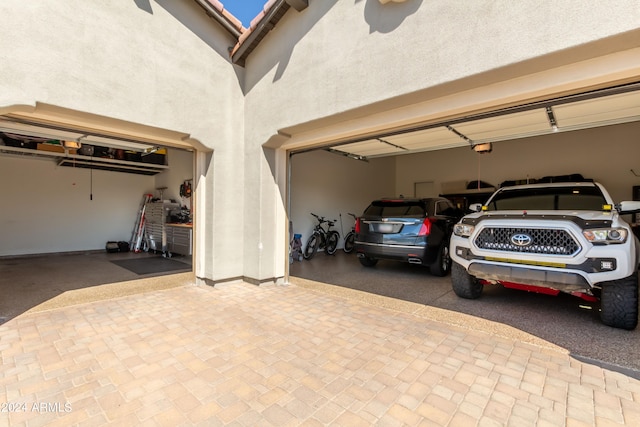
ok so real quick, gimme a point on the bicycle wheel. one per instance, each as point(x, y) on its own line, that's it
point(312, 247)
point(349, 242)
point(332, 243)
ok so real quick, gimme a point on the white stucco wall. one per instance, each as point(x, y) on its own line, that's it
point(162, 64)
point(340, 69)
point(339, 55)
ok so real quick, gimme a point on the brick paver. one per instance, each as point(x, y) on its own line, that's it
point(286, 355)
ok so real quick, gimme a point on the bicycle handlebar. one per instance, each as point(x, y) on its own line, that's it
point(323, 220)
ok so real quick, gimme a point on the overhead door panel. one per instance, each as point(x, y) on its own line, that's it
point(511, 126)
point(613, 109)
point(430, 139)
point(372, 147)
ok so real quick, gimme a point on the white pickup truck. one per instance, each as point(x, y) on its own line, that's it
point(550, 238)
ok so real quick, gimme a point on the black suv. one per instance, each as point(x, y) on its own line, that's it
point(416, 231)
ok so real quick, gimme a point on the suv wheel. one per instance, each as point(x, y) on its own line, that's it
point(619, 303)
point(442, 265)
point(464, 284)
point(367, 261)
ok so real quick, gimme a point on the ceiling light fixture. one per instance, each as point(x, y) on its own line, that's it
point(485, 147)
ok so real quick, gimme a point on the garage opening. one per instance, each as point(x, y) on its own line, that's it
point(593, 135)
point(466, 159)
point(83, 210)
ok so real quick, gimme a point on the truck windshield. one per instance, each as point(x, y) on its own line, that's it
point(550, 198)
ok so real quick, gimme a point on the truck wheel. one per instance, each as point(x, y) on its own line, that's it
point(464, 284)
point(442, 264)
point(367, 261)
point(619, 303)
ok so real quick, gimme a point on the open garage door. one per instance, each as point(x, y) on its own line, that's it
point(598, 108)
point(551, 137)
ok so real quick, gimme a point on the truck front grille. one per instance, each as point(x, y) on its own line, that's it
point(528, 240)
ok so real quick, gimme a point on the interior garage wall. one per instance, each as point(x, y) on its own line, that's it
point(46, 208)
point(606, 154)
point(180, 170)
point(328, 185)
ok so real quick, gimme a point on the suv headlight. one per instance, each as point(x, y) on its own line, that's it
point(604, 236)
point(463, 230)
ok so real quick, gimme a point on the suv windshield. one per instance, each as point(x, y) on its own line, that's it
point(393, 208)
point(550, 198)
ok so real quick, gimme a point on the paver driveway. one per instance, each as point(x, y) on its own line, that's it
point(302, 354)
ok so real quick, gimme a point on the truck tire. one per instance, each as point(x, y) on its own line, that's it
point(619, 303)
point(464, 285)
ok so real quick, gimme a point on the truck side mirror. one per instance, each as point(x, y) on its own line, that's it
point(475, 207)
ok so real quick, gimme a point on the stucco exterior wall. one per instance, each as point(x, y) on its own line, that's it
point(340, 55)
point(340, 69)
point(162, 64)
point(334, 71)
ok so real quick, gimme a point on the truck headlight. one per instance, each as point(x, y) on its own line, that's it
point(605, 236)
point(463, 230)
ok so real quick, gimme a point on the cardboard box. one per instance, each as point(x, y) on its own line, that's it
point(50, 147)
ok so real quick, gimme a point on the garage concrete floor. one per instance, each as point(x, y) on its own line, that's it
point(44, 282)
point(566, 321)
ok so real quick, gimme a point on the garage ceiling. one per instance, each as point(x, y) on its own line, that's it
point(599, 108)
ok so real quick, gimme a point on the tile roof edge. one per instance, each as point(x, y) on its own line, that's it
point(255, 22)
point(216, 10)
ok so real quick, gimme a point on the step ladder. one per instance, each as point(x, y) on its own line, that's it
point(138, 230)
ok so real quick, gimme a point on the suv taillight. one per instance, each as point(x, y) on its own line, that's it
point(425, 229)
point(357, 226)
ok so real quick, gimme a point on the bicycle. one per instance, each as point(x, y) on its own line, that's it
point(321, 238)
point(350, 238)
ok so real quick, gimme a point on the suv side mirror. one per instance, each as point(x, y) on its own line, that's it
point(475, 207)
point(628, 207)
